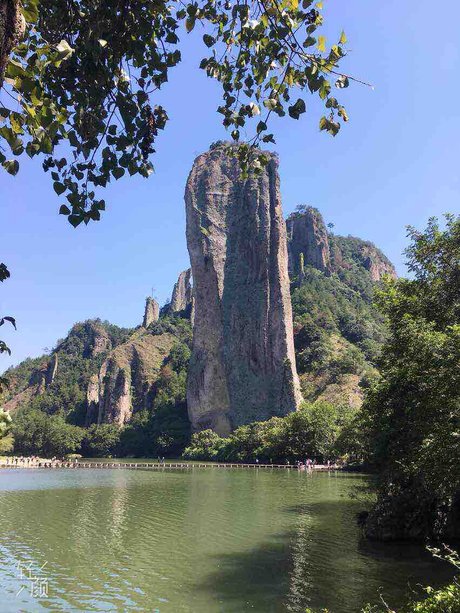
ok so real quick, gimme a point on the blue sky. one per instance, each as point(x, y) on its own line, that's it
point(395, 163)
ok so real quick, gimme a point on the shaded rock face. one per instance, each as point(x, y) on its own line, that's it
point(242, 367)
point(125, 380)
point(151, 312)
point(181, 299)
point(308, 243)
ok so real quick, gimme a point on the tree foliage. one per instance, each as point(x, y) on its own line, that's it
point(312, 432)
point(35, 433)
point(80, 88)
point(414, 411)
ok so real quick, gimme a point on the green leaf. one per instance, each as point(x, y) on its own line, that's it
point(64, 210)
point(342, 82)
point(322, 44)
point(59, 188)
point(4, 113)
point(270, 103)
point(118, 172)
point(11, 166)
point(261, 127)
point(254, 109)
point(64, 49)
point(190, 23)
point(30, 11)
point(75, 220)
point(343, 114)
point(297, 109)
point(343, 38)
point(208, 40)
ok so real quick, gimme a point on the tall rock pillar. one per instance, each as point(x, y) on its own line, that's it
point(242, 367)
point(308, 243)
point(151, 312)
point(181, 299)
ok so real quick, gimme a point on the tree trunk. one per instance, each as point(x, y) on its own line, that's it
point(12, 27)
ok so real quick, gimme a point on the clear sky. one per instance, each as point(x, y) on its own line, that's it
point(395, 163)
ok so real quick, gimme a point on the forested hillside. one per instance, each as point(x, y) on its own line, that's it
point(338, 331)
point(134, 380)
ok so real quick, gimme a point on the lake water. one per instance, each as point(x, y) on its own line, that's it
point(201, 540)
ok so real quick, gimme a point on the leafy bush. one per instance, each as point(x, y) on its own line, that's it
point(312, 432)
point(413, 412)
point(101, 440)
point(38, 434)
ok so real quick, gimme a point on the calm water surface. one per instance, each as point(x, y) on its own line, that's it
point(202, 540)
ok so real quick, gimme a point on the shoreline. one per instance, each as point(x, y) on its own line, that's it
point(155, 465)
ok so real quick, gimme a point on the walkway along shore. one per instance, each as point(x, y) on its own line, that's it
point(159, 465)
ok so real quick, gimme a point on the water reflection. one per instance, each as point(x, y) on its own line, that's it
point(203, 540)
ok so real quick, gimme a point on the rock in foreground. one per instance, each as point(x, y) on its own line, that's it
point(243, 364)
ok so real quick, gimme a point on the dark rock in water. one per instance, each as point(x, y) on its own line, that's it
point(308, 243)
point(151, 312)
point(243, 364)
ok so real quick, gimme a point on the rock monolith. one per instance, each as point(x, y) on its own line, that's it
point(151, 312)
point(242, 367)
point(181, 299)
point(307, 242)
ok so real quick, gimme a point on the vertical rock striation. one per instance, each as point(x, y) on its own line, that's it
point(242, 367)
point(181, 299)
point(307, 242)
point(151, 312)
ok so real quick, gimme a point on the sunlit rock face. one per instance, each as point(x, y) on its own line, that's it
point(151, 312)
point(182, 295)
point(125, 382)
point(242, 367)
point(308, 243)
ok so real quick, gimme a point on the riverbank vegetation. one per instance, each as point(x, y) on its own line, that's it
point(319, 430)
point(412, 415)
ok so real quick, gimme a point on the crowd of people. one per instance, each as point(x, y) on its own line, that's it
point(35, 462)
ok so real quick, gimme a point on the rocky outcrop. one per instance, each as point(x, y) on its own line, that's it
point(51, 371)
point(308, 243)
point(377, 264)
point(151, 312)
point(181, 299)
point(348, 252)
point(92, 399)
point(40, 381)
point(242, 367)
point(125, 379)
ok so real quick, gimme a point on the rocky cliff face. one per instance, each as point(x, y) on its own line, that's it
point(182, 296)
point(307, 242)
point(97, 340)
point(151, 312)
point(124, 382)
point(243, 364)
point(377, 265)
